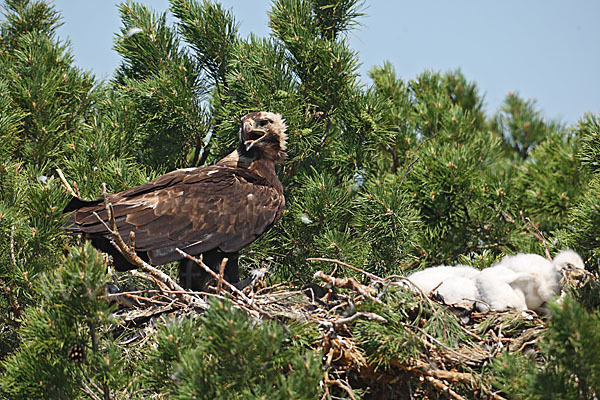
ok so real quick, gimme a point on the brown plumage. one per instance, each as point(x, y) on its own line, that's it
point(215, 210)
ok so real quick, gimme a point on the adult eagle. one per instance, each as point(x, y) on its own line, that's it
point(214, 210)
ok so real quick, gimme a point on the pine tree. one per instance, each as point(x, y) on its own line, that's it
point(389, 176)
point(62, 340)
point(521, 126)
point(226, 355)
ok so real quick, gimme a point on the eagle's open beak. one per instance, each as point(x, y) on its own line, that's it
point(248, 127)
point(249, 144)
point(577, 273)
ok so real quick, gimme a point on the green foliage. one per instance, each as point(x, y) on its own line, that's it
point(165, 84)
point(521, 126)
point(212, 33)
point(385, 220)
point(70, 313)
point(30, 241)
point(581, 233)
point(395, 95)
point(571, 359)
point(326, 67)
point(589, 128)
point(551, 181)
point(9, 123)
point(448, 184)
point(225, 354)
point(390, 176)
point(45, 99)
point(52, 95)
point(411, 323)
point(23, 16)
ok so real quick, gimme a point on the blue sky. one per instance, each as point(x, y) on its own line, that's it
point(547, 50)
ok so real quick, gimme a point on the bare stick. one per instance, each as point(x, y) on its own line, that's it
point(359, 315)
point(332, 260)
point(13, 258)
point(76, 189)
point(423, 368)
point(163, 287)
point(438, 384)
point(65, 183)
point(228, 285)
point(412, 160)
point(212, 273)
point(132, 239)
point(441, 344)
point(348, 283)
point(86, 389)
point(221, 273)
point(541, 237)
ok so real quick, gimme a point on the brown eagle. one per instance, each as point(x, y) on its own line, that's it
point(214, 210)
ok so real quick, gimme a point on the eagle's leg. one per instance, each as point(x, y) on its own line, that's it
point(119, 261)
point(192, 276)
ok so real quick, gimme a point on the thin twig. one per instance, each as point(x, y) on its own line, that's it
point(76, 190)
point(440, 343)
point(13, 258)
point(438, 384)
point(348, 283)
point(540, 236)
point(412, 162)
point(163, 287)
point(347, 320)
point(332, 260)
point(221, 273)
point(232, 288)
point(65, 183)
point(11, 296)
point(86, 389)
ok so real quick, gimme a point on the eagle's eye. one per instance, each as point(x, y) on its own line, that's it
point(263, 122)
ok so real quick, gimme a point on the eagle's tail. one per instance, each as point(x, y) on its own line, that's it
point(75, 204)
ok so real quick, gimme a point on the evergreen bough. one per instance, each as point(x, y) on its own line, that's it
point(390, 176)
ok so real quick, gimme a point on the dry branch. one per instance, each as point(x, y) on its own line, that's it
point(221, 273)
point(347, 320)
point(66, 183)
point(348, 283)
point(245, 302)
point(338, 262)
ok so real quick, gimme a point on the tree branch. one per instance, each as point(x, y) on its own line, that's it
point(232, 288)
point(66, 183)
point(348, 283)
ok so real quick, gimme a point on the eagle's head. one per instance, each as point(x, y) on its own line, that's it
point(263, 134)
point(570, 264)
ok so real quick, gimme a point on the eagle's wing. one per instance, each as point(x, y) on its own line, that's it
point(195, 210)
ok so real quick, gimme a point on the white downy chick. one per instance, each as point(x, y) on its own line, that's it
point(533, 280)
point(456, 285)
point(495, 290)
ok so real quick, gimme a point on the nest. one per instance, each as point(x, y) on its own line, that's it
point(376, 335)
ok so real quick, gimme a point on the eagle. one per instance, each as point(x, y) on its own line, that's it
point(213, 211)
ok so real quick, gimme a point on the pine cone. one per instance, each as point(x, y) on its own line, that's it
point(76, 353)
